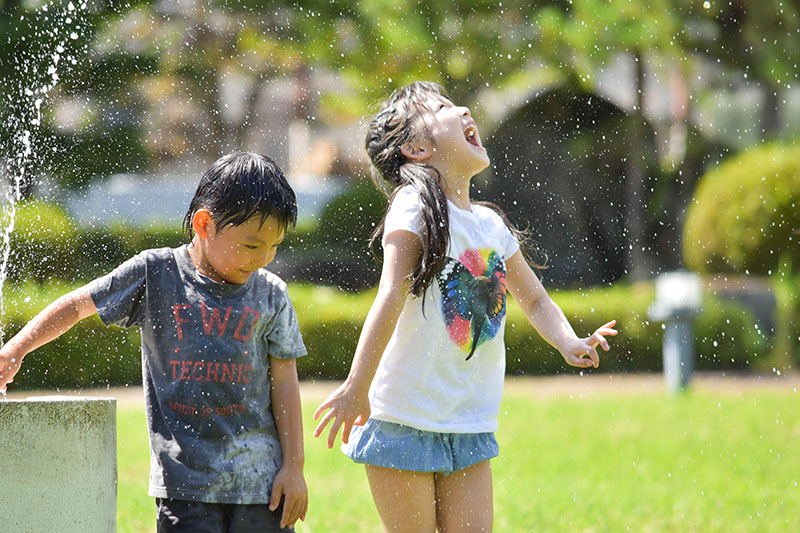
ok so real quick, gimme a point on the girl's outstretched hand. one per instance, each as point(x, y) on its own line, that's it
point(346, 408)
point(575, 354)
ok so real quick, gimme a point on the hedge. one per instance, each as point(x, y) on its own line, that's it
point(91, 355)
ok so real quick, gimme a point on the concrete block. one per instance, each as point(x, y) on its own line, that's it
point(58, 461)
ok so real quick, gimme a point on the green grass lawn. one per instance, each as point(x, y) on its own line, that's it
point(626, 461)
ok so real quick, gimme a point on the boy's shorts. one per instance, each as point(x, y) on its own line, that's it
point(201, 517)
point(391, 445)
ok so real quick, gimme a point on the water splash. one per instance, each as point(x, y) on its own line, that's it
point(40, 78)
point(9, 214)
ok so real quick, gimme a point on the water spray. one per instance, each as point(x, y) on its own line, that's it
point(22, 141)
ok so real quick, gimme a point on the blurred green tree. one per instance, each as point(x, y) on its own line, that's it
point(135, 59)
point(143, 82)
point(49, 71)
point(753, 40)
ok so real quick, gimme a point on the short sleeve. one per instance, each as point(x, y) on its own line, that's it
point(511, 243)
point(403, 213)
point(119, 295)
point(283, 337)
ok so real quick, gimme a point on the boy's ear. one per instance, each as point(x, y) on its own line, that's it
point(417, 151)
point(202, 223)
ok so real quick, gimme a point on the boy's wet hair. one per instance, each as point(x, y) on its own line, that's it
point(242, 185)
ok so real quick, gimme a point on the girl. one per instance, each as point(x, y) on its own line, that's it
point(419, 407)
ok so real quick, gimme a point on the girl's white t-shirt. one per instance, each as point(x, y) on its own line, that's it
point(429, 376)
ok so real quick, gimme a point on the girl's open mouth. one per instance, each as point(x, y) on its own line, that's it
point(471, 135)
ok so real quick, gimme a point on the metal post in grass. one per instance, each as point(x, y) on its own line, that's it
point(59, 464)
point(678, 301)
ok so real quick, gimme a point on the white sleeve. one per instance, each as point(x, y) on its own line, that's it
point(404, 213)
point(511, 243)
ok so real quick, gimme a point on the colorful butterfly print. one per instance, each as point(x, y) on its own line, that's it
point(473, 297)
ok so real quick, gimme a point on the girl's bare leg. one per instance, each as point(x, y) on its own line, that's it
point(464, 500)
point(405, 500)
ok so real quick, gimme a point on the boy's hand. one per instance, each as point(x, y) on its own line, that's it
point(575, 354)
point(290, 484)
point(54, 320)
point(347, 408)
point(9, 366)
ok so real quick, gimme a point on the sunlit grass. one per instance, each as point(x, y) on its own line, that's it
point(637, 461)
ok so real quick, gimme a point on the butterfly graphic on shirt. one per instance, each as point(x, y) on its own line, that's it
point(473, 297)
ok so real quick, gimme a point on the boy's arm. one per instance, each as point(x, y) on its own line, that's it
point(49, 324)
point(289, 482)
point(349, 403)
point(548, 319)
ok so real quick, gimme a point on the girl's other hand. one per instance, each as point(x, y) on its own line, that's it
point(346, 408)
point(575, 355)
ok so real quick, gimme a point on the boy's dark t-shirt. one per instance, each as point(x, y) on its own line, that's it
point(205, 367)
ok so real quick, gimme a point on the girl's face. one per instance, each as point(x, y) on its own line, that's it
point(455, 144)
point(234, 253)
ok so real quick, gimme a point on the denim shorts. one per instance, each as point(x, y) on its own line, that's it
point(391, 445)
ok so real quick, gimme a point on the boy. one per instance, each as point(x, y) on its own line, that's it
point(217, 328)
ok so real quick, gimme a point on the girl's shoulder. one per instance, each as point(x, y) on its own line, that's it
point(406, 196)
point(404, 212)
point(407, 191)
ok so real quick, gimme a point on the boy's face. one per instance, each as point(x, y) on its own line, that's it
point(233, 253)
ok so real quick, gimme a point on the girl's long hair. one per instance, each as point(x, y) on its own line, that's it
point(396, 124)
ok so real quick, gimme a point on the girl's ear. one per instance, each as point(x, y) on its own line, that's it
point(202, 223)
point(417, 151)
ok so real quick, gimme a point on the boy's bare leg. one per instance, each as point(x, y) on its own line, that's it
point(405, 500)
point(464, 500)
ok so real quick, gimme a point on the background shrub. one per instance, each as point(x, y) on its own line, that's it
point(43, 243)
point(745, 215)
point(347, 222)
point(336, 252)
point(47, 245)
point(745, 218)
